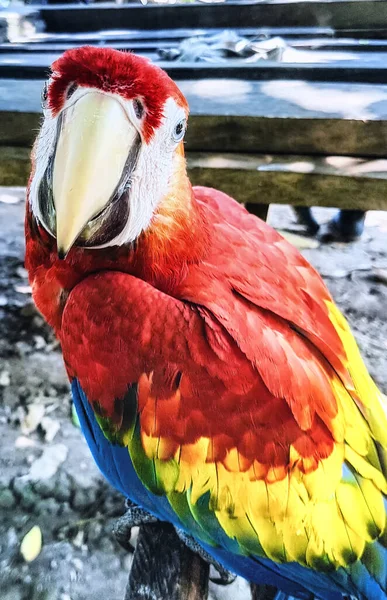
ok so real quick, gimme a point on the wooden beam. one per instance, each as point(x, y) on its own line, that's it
point(18, 128)
point(338, 14)
point(356, 70)
point(14, 166)
point(160, 35)
point(149, 43)
point(114, 36)
point(297, 180)
point(275, 117)
point(279, 135)
point(300, 181)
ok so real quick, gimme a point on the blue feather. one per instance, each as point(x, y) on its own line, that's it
point(292, 578)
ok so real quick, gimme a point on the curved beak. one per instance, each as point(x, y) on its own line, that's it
point(94, 142)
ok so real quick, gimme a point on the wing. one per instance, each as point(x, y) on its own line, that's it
point(259, 441)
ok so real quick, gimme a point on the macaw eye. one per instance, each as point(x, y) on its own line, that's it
point(138, 108)
point(71, 90)
point(179, 131)
point(44, 95)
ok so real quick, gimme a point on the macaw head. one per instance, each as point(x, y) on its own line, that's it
point(110, 150)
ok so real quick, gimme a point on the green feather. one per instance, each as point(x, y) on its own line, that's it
point(126, 411)
point(180, 505)
point(207, 520)
point(159, 476)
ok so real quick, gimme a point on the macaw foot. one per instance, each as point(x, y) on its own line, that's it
point(225, 577)
point(136, 516)
point(133, 517)
point(345, 226)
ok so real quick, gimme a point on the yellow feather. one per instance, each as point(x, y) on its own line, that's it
point(374, 500)
point(241, 529)
point(356, 429)
point(314, 518)
point(322, 482)
point(372, 403)
point(355, 511)
point(364, 468)
point(330, 538)
point(149, 443)
point(295, 542)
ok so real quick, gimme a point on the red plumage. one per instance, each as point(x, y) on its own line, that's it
point(245, 329)
point(212, 374)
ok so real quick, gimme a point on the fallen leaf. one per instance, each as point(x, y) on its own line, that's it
point(32, 419)
point(301, 242)
point(48, 463)
point(31, 544)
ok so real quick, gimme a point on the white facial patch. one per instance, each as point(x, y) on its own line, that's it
point(150, 179)
point(43, 149)
point(152, 175)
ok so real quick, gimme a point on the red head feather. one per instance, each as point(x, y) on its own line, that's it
point(122, 73)
point(178, 234)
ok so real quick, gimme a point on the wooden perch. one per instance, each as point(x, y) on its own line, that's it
point(164, 568)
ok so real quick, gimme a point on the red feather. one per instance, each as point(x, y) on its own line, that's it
point(240, 349)
point(113, 71)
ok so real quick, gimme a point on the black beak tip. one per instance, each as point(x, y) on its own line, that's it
point(61, 254)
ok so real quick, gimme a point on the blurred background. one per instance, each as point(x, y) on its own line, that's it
point(288, 106)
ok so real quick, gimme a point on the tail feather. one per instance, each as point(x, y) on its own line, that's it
point(367, 585)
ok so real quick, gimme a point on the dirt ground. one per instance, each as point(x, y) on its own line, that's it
point(47, 477)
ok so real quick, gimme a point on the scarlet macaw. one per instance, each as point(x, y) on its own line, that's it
point(216, 382)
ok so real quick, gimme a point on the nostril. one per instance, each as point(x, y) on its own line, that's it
point(138, 108)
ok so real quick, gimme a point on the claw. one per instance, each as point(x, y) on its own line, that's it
point(134, 516)
point(225, 577)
